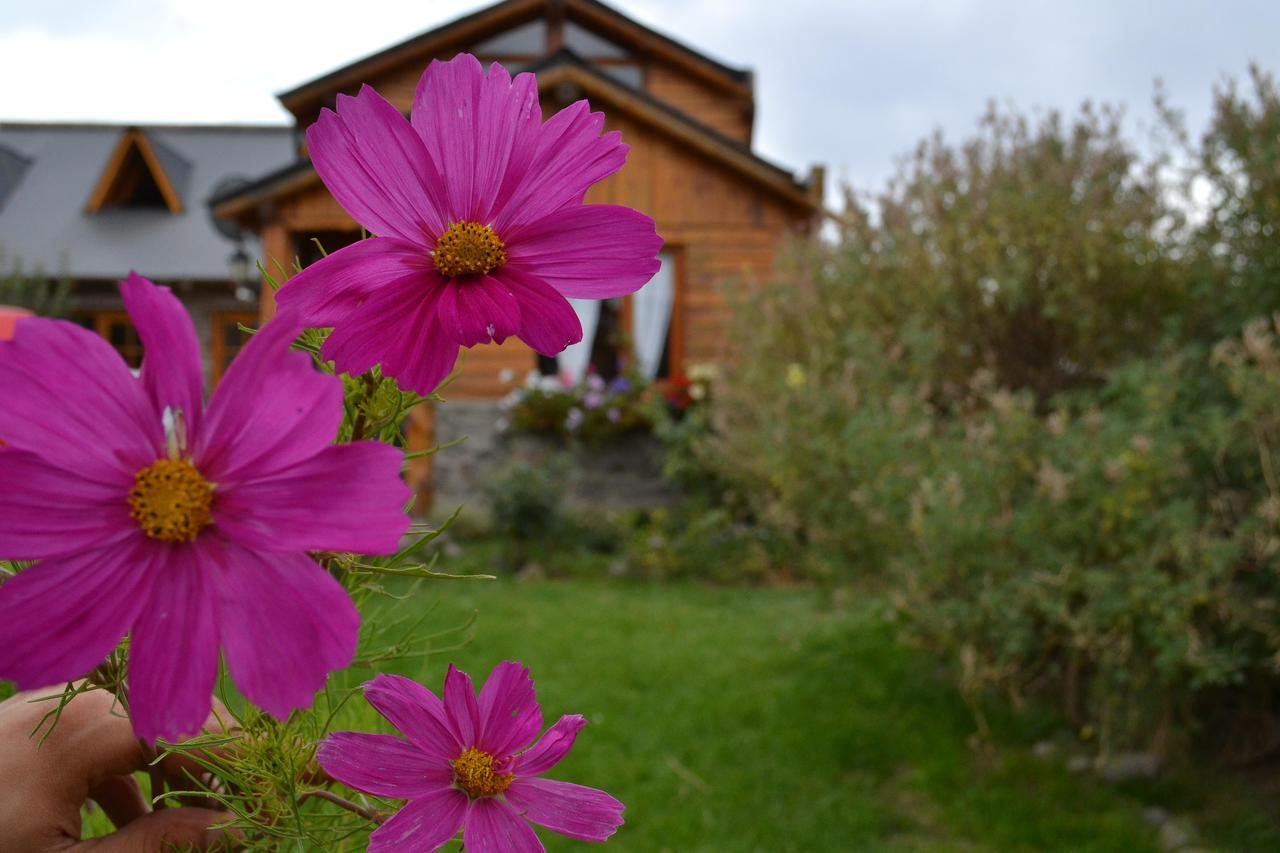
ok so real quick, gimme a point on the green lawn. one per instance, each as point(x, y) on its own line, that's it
point(772, 719)
point(751, 719)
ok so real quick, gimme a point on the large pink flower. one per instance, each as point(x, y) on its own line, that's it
point(482, 233)
point(186, 528)
point(469, 763)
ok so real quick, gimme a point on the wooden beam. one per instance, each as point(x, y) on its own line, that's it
point(171, 198)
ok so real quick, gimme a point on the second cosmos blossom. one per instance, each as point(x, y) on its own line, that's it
point(481, 229)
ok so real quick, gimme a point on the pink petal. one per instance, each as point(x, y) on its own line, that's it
point(548, 322)
point(417, 712)
point(551, 747)
point(272, 410)
point(509, 714)
point(61, 618)
point(460, 706)
point(492, 827)
point(476, 311)
point(347, 497)
point(173, 649)
point(587, 814)
point(397, 328)
point(425, 824)
point(596, 251)
point(66, 388)
point(285, 623)
point(565, 157)
point(329, 291)
point(469, 122)
point(46, 511)
point(382, 765)
point(421, 361)
point(171, 369)
point(377, 168)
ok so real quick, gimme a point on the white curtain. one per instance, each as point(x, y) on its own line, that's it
point(651, 317)
point(574, 360)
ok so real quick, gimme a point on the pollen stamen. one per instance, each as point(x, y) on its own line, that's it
point(473, 773)
point(468, 248)
point(170, 500)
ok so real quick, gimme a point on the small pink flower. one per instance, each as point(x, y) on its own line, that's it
point(481, 229)
point(469, 763)
point(186, 527)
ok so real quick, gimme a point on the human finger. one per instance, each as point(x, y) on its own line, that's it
point(163, 830)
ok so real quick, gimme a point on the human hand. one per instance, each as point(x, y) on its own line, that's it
point(91, 754)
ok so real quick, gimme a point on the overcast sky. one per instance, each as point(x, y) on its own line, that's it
point(849, 83)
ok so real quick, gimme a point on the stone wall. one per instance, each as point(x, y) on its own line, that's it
point(623, 474)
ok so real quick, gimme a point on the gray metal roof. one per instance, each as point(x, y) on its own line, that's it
point(12, 167)
point(47, 172)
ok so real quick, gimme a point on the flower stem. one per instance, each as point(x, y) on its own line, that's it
point(360, 424)
point(342, 802)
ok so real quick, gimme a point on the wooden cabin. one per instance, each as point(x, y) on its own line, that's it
point(722, 210)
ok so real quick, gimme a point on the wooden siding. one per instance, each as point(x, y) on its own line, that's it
point(728, 114)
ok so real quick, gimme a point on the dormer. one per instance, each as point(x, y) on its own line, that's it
point(141, 174)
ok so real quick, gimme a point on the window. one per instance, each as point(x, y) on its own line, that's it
point(229, 339)
point(527, 40)
point(643, 330)
point(653, 318)
point(587, 44)
point(115, 327)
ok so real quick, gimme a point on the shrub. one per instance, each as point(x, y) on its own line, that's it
point(1001, 399)
point(1044, 250)
point(32, 289)
point(694, 541)
point(1111, 551)
point(525, 509)
point(1238, 175)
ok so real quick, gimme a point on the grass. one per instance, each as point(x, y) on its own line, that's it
point(743, 719)
point(773, 719)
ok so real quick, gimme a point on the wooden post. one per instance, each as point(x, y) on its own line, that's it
point(277, 248)
point(421, 435)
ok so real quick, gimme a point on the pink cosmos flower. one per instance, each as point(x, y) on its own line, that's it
point(482, 230)
point(468, 763)
point(185, 527)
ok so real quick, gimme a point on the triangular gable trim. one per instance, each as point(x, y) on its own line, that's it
point(460, 33)
point(132, 139)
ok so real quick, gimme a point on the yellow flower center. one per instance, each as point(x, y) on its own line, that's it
point(468, 248)
point(171, 501)
point(473, 773)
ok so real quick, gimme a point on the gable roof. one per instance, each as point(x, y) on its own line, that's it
point(554, 71)
point(461, 33)
point(43, 219)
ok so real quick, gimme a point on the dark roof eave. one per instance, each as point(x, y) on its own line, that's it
point(257, 190)
point(566, 57)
